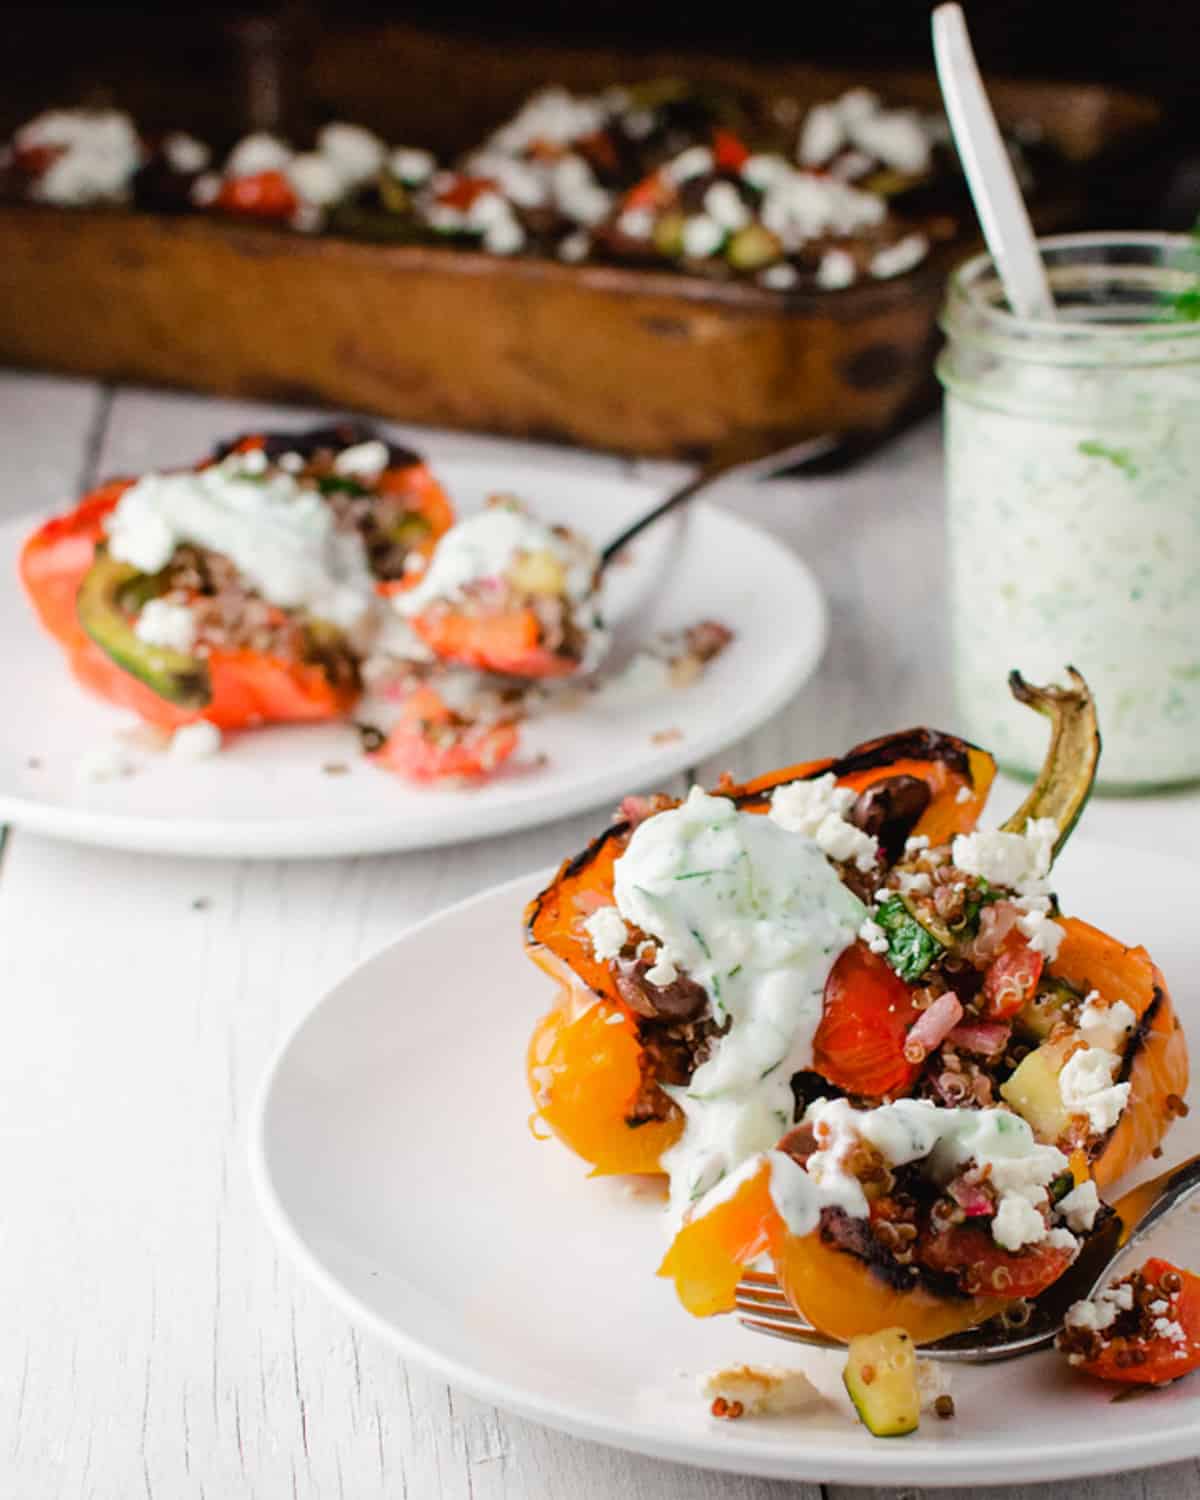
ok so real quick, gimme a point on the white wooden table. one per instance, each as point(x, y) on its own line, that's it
point(151, 1341)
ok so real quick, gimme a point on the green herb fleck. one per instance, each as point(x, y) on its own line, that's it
point(911, 950)
point(340, 484)
point(697, 875)
point(1120, 457)
point(703, 946)
point(737, 969)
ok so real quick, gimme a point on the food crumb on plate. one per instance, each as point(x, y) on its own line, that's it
point(106, 762)
point(752, 1391)
point(195, 741)
point(666, 736)
point(335, 768)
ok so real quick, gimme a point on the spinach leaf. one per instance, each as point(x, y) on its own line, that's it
point(911, 950)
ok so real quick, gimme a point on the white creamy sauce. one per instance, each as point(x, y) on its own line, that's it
point(1074, 533)
point(757, 916)
point(946, 1140)
point(485, 546)
point(280, 536)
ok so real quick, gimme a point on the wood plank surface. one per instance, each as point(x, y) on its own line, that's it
point(154, 1342)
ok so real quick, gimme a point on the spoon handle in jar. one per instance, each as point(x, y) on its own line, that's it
point(990, 176)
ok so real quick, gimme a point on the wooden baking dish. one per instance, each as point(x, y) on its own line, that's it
point(645, 362)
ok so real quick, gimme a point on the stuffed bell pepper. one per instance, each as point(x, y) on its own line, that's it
point(855, 1032)
point(244, 591)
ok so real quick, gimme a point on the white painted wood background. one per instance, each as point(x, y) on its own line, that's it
point(152, 1343)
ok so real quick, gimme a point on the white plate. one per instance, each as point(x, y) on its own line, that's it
point(265, 795)
point(393, 1158)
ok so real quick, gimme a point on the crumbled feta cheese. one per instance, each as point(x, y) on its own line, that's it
point(817, 808)
point(195, 741)
point(836, 270)
point(639, 123)
point(915, 844)
point(780, 277)
point(1104, 1025)
point(1045, 937)
point(636, 223)
point(1016, 860)
point(804, 205)
point(762, 1390)
point(206, 189)
point(894, 260)
point(702, 236)
point(162, 623)
point(184, 153)
point(1167, 1328)
point(314, 179)
point(577, 193)
point(963, 795)
point(364, 460)
point(575, 247)
point(411, 165)
point(913, 882)
point(662, 972)
point(874, 936)
point(896, 137)
point(258, 152)
point(1087, 1088)
point(108, 762)
point(607, 932)
point(290, 463)
point(1080, 1207)
point(822, 136)
point(354, 153)
point(693, 162)
point(1017, 1223)
point(723, 203)
point(552, 116)
point(96, 153)
point(761, 171)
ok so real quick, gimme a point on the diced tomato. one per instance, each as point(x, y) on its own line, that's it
point(986, 1268)
point(1011, 979)
point(262, 195)
point(653, 191)
point(865, 1018)
point(730, 152)
point(429, 743)
point(463, 193)
point(1159, 1359)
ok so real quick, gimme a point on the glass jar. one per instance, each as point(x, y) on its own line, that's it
point(1073, 500)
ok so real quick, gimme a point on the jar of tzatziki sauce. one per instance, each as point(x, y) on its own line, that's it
point(1073, 500)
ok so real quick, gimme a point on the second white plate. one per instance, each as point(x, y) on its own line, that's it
point(394, 1159)
point(266, 796)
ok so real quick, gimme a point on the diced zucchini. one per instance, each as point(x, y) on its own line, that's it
point(100, 605)
point(1038, 1016)
point(1033, 1091)
point(881, 1379)
point(752, 248)
point(668, 234)
point(539, 573)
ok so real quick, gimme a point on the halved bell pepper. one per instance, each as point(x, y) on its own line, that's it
point(838, 1293)
point(231, 688)
point(429, 743)
point(508, 643)
point(557, 942)
point(1155, 1061)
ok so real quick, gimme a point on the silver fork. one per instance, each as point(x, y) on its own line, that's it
point(765, 1309)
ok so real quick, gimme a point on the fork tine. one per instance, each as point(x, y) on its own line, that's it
point(765, 1299)
point(794, 1331)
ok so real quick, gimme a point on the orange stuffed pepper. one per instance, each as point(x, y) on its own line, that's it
point(237, 592)
point(856, 1033)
